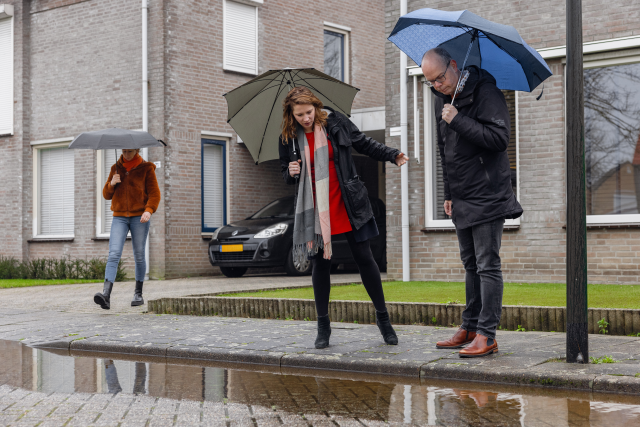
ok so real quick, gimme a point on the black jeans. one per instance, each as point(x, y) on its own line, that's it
point(480, 253)
point(369, 272)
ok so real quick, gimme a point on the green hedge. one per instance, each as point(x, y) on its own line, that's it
point(60, 269)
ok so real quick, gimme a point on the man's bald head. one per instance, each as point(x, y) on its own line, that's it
point(440, 70)
point(437, 54)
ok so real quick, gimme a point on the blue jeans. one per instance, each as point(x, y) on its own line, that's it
point(480, 253)
point(139, 231)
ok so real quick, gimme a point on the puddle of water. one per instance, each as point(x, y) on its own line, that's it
point(365, 398)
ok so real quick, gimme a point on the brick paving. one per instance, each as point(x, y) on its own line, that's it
point(79, 298)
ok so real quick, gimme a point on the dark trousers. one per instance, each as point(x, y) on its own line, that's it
point(369, 272)
point(480, 254)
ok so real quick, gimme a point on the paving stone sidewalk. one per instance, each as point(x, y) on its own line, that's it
point(79, 298)
point(525, 358)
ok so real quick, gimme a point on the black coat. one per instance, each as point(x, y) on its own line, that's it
point(343, 135)
point(473, 149)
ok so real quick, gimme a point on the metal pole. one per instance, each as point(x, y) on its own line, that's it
point(145, 105)
point(404, 171)
point(577, 317)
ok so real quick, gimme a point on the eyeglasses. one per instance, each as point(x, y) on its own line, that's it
point(440, 79)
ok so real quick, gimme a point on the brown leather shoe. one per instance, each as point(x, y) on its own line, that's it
point(480, 347)
point(460, 339)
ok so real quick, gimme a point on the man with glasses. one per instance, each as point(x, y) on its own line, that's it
point(473, 129)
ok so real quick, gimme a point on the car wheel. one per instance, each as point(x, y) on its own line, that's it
point(293, 268)
point(334, 268)
point(233, 271)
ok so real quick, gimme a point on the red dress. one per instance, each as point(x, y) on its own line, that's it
point(337, 212)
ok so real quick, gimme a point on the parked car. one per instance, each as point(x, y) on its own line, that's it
point(265, 239)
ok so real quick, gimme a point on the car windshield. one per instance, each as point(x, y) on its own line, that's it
point(280, 208)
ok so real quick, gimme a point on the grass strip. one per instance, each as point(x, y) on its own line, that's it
point(24, 283)
point(536, 294)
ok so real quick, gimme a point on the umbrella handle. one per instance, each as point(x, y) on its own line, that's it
point(295, 158)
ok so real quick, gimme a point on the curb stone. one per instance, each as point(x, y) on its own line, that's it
point(532, 318)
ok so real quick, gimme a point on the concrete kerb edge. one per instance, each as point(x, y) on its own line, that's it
point(516, 377)
point(280, 288)
point(419, 370)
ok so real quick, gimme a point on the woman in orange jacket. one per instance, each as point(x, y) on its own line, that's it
point(134, 193)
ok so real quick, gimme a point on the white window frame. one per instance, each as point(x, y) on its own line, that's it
point(38, 146)
point(227, 138)
point(226, 66)
point(346, 32)
point(597, 63)
point(430, 144)
point(7, 13)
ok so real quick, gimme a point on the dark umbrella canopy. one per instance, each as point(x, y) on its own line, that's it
point(497, 48)
point(115, 138)
point(255, 108)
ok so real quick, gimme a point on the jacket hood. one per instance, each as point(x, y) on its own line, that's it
point(477, 77)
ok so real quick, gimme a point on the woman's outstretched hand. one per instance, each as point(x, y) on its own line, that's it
point(145, 217)
point(294, 168)
point(401, 159)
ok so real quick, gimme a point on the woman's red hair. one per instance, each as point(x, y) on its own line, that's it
point(299, 96)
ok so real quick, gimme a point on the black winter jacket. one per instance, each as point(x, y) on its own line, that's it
point(473, 149)
point(343, 135)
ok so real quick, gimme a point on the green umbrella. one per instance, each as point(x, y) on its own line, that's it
point(255, 108)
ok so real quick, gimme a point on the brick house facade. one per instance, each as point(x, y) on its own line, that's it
point(77, 67)
point(534, 249)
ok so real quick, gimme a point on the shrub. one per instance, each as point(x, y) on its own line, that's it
point(52, 268)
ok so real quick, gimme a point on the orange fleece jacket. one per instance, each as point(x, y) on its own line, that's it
point(138, 191)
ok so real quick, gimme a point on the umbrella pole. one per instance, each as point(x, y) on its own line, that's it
point(473, 37)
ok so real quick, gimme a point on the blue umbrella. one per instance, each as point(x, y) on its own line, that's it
point(472, 40)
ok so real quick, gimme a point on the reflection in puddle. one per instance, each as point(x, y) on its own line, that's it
point(426, 403)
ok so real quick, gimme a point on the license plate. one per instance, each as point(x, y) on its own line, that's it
point(231, 248)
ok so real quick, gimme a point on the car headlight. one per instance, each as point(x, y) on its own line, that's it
point(274, 230)
point(214, 236)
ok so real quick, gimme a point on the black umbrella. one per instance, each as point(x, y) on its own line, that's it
point(117, 139)
point(255, 108)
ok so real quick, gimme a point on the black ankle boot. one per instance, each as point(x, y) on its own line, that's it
point(103, 299)
point(324, 332)
point(137, 295)
point(386, 329)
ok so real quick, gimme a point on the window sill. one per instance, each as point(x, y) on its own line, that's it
point(240, 72)
point(441, 229)
point(612, 225)
point(50, 239)
point(99, 238)
point(206, 236)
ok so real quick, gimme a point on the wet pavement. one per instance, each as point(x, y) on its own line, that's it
point(79, 298)
point(44, 388)
point(525, 358)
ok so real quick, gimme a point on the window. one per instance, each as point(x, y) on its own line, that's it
point(6, 76)
point(612, 141)
point(214, 184)
point(105, 159)
point(54, 189)
point(240, 52)
point(434, 184)
point(336, 52)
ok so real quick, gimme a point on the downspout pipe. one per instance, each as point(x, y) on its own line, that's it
point(404, 172)
point(145, 106)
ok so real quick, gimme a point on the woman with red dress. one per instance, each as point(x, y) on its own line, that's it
point(315, 152)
